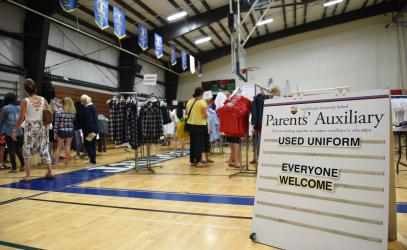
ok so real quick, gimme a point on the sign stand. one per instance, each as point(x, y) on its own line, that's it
point(326, 172)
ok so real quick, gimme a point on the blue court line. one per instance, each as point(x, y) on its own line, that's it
point(402, 207)
point(66, 182)
point(206, 198)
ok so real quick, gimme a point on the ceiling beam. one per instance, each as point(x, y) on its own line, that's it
point(365, 3)
point(266, 27)
point(254, 24)
point(208, 8)
point(305, 13)
point(295, 13)
point(189, 24)
point(324, 13)
point(284, 15)
point(334, 11)
point(323, 23)
point(87, 25)
point(197, 12)
point(345, 6)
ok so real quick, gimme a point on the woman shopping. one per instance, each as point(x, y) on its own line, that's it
point(8, 118)
point(197, 115)
point(36, 131)
point(64, 129)
point(176, 115)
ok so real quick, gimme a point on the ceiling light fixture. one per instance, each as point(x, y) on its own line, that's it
point(265, 21)
point(203, 40)
point(332, 3)
point(177, 15)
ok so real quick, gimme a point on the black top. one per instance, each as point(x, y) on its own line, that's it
point(79, 116)
point(91, 120)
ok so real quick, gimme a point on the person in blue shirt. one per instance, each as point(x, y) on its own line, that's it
point(8, 118)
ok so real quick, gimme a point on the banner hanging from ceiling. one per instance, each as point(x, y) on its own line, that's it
point(192, 64)
point(142, 37)
point(173, 55)
point(68, 5)
point(102, 13)
point(184, 60)
point(158, 44)
point(119, 20)
point(199, 69)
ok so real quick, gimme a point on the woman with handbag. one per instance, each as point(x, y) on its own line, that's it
point(8, 119)
point(196, 124)
point(36, 115)
point(176, 115)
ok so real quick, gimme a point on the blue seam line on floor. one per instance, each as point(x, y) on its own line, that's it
point(66, 182)
point(18, 246)
point(163, 192)
point(232, 200)
point(74, 177)
point(144, 209)
point(20, 198)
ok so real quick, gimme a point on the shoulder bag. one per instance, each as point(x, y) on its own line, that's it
point(47, 115)
point(187, 126)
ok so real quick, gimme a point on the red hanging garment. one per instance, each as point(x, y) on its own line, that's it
point(234, 116)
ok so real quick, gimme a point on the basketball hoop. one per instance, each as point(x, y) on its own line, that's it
point(248, 69)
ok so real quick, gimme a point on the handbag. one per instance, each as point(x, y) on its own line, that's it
point(187, 126)
point(47, 115)
point(181, 133)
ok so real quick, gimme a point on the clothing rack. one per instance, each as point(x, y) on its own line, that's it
point(136, 157)
point(244, 168)
point(149, 166)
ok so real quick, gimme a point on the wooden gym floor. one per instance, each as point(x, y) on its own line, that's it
point(179, 207)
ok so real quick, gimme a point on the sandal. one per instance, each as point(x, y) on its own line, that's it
point(25, 179)
point(201, 165)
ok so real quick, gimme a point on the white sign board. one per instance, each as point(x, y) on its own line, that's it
point(323, 180)
point(150, 79)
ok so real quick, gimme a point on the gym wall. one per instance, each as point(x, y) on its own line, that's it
point(363, 54)
point(71, 41)
point(11, 20)
point(99, 98)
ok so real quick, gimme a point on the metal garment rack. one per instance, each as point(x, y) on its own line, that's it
point(244, 169)
point(400, 132)
point(149, 166)
point(136, 157)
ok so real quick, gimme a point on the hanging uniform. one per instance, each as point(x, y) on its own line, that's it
point(151, 122)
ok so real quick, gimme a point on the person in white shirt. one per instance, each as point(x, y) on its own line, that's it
point(175, 115)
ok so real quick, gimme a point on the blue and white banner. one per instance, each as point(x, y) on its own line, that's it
point(192, 64)
point(158, 44)
point(199, 69)
point(102, 13)
point(142, 37)
point(184, 60)
point(173, 55)
point(68, 5)
point(119, 20)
